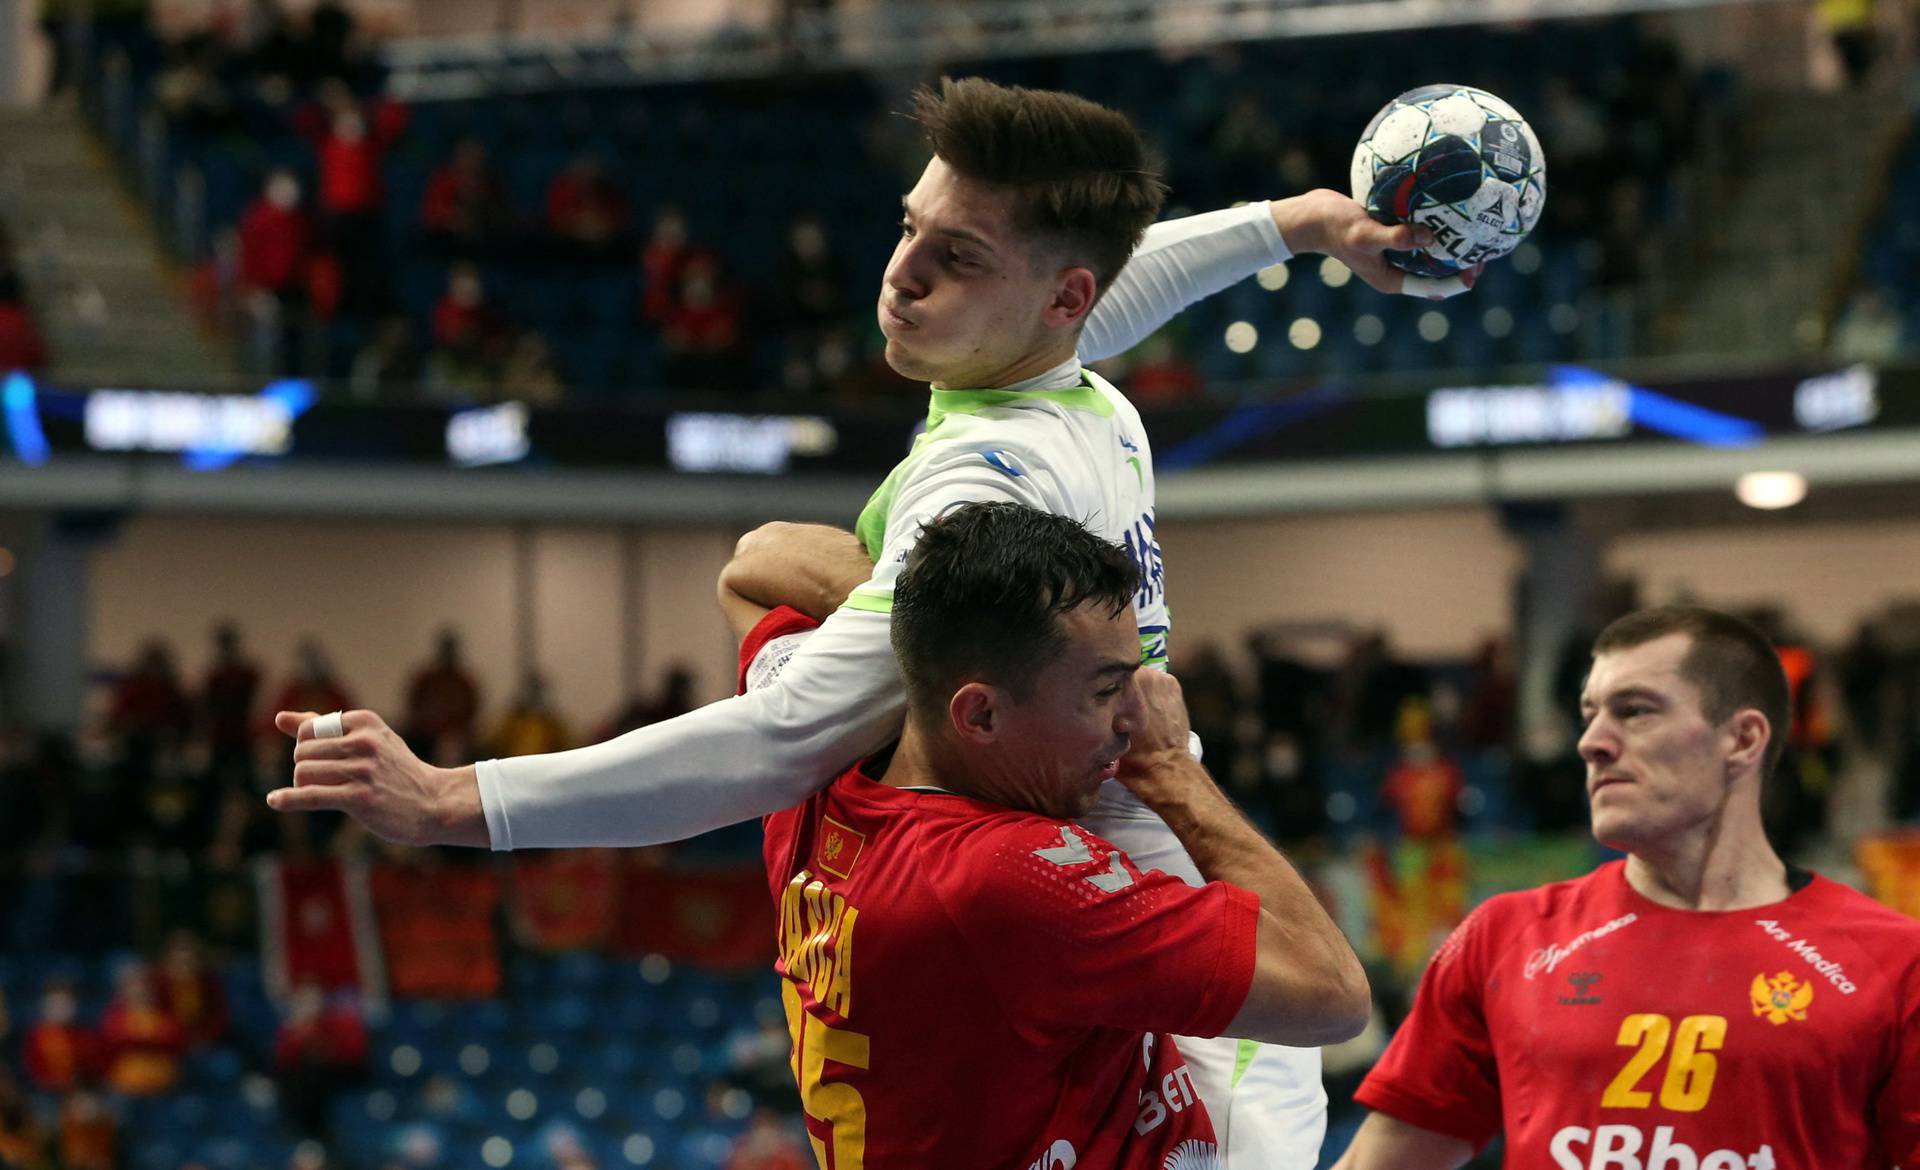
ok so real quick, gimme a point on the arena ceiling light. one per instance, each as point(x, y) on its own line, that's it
point(1771, 490)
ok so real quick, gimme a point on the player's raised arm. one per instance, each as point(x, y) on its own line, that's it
point(1183, 261)
point(1387, 1143)
point(838, 699)
point(1308, 986)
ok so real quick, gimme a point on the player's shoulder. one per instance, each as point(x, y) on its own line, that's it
point(1569, 898)
point(1014, 863)
point(1516, 917)
point(1871, 924)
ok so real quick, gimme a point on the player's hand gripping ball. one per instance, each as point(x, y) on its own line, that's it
point(1458, 161)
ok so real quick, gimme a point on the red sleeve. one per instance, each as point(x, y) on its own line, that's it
point(778, 623)
point(1896, 1111)
point(1073, 933)
point(1439, 1071)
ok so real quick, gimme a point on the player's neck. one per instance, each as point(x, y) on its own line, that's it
point(1023, 369)
point(1725, 864)
point(916, 764)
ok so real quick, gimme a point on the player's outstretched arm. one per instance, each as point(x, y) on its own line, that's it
point(1183, 261)
point(1308, 986)
point(810, 567)
point(1387, 1143)
point(838, 699)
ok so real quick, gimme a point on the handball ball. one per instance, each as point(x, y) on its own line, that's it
point(1458, 161)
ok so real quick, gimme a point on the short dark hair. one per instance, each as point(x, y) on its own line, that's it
point(1730, 660)
point(1081, 171)
point(981, 593)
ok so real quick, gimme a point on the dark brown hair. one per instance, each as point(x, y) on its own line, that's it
point(1730, 660)
point(1080, 170)
point(982, 594)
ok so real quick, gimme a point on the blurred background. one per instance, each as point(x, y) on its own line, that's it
point(430, 355)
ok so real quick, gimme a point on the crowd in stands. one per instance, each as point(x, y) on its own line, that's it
point(21, 345)
point(180, 962)
point(728, 236)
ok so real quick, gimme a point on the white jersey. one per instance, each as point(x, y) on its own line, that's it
point(1067, 443)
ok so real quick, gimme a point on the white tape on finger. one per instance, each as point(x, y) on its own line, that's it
point(329, 726)
point(1433, 288)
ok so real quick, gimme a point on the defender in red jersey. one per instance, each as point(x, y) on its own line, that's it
point(1699, 1006)
point(971, 980)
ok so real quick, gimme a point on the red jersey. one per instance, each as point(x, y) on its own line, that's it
point(1602, 1031)
point(976, 987)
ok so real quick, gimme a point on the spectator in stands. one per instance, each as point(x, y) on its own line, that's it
point(1423, 785)
point(469, 338)
point(1486, 713)
point(89, 1138)
point(226, 710)
point(465, 207)
point(1246, 144)
point(313, 686)
point(21, 347)
point(586, 209)
point(1850, 24)
point(810, 302)
point(190, 991)
point(769, 1143)
point(701, 335)
point(443, 702)
point(58, 1053)
point(666, 252)
point(531, 725)
point(23, 1145)
point(1213, 707)
point(1160, 375)
point(320, 1050)
point(1869, 331)
point(528, 375)
point(349, 143)
point(389, 366)
point(1369, 692)
point(140, 1042)
point(149, 714)
point(276, 247)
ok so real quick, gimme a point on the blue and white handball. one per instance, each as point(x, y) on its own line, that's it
point(1458, 161)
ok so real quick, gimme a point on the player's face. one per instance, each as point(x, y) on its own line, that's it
point(963, 298)
point(1054, 751)
point(1656, 767)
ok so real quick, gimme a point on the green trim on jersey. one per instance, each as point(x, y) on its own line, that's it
point(1248, 1049)
point(871, 528)
point(1146, 644)
point(870, 600)
point(1081, 397)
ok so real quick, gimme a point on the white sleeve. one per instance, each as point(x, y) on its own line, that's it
point(1181, 261)
point(838, 699)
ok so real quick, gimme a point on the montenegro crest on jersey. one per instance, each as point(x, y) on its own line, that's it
point(839, 848)
point(1781, 998)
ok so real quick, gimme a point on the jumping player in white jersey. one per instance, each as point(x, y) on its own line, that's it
point(1027, 214)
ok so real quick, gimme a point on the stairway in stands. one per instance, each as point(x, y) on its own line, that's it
point(114, 309)
point(1797, 191)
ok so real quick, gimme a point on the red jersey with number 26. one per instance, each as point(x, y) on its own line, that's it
point(1602, 1031)
point(980, 988)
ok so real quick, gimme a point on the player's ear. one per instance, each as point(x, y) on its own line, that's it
point(1750, 736)
point(1073, 292)
point(972, 713)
